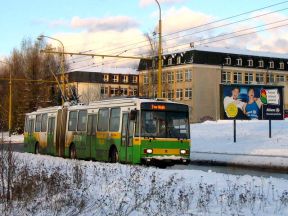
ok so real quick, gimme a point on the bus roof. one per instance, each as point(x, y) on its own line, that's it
point(113, 102)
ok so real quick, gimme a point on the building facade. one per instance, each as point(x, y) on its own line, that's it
point(194, 76)
point(92, 85)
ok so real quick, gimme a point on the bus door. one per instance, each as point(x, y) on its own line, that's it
point(127, 137)
point(50, 136)
point(91, 136)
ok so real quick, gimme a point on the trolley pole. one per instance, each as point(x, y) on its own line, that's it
point(62, 66)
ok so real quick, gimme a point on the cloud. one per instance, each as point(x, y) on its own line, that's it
point(144, 3)
point(118, 23)
point(103, 35)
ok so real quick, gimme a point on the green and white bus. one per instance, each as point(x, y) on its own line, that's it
point(127, 130)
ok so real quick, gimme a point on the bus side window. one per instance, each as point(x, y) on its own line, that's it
point(26, 124)
point(38, 123)
point(82, 120)
point(72, 124)
point(31, 126)
point(114, 119)
point(103, 119)
point(44, 122)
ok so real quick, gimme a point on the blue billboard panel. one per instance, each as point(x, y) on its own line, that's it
point(263, 102)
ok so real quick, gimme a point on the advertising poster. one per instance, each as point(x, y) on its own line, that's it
point(263, 102)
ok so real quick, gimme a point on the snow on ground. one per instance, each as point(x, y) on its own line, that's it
point(115, 189)
point(14, 138)
point(214, 141)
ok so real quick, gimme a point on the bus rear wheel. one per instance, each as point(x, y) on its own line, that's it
point(72, 152)
point(36, 151)
point(114, 157)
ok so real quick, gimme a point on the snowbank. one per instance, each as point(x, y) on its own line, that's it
point(93, 188)
point(14, 138)
point(214, 141)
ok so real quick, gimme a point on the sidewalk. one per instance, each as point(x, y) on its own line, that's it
point(212, 143)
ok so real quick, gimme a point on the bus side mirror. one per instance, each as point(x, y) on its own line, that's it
point(133, 115)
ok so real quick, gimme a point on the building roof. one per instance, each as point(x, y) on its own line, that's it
point(218, 56)
point(239, 52)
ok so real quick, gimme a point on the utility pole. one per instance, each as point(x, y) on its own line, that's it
point(159, 54)
point(10, 99)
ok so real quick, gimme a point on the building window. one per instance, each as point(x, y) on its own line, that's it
point(134, 79)
point(106, 77)
point(259, 78)
point(281, 65)
point(237, 77)
point(104, 90)
point(170, 77)
point(113, 91)
point(163, 77)
point(179, 76)
point(250, 63)
point(178, 59)
point(124, 91)
point(280, 78)
point(134, 92)
point(261, 63)
point(170, 61)
point(248, 78)
point(179, 94)
point(188, 93)
point(228, 61)
point(188, 75)
point(170, 94)
point(125, 79)
point(115, 78)
point(145, 79)
point(239, 62)
point(270, 78)
point(163, 94)
point(226, 77)
point(271, 64)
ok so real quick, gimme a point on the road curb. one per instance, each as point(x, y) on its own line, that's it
point(273, 163)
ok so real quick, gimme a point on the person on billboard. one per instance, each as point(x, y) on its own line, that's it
point(253, 106)
point(234, 108)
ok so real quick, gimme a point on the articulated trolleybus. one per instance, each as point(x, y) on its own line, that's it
point(128, 130)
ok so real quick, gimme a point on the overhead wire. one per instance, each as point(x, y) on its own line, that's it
point(198, 26)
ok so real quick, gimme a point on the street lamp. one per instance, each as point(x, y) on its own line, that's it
point(40, 38)
point(10, 100)
point(159, 54)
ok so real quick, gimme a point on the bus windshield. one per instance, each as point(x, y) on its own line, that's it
point(165, 124)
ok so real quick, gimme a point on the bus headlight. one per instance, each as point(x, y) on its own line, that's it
point(148, 151)
point(183, 151)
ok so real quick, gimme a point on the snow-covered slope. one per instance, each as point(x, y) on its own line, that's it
point(69, 187)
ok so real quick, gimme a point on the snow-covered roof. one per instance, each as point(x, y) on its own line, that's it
point(232, 51)
point(109, 70)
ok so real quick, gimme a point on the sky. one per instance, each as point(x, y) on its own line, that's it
point(101, 26)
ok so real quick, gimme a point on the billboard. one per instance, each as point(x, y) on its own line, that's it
point(263, 102)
